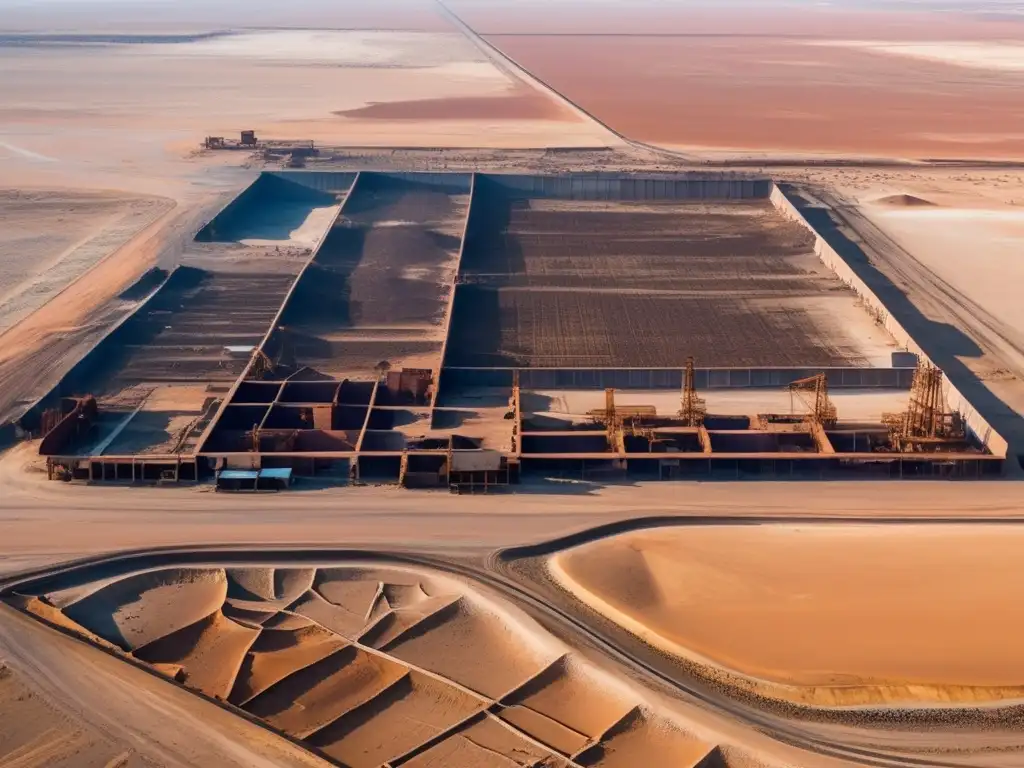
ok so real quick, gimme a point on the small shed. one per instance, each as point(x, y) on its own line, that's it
point(237, 479)
point(274, 479)
point(269, 479)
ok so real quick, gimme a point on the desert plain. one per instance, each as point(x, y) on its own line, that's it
point(572, 620)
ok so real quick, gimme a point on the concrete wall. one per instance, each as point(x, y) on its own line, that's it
point(831, 258)
point(452, 183)
point(334, 182)
point(672, 378)
point(599, 186)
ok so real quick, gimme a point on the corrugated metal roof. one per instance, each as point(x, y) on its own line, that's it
point(238, 474)
point(276, 473)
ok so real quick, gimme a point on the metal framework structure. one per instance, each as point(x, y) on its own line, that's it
point(926, 425)
point(693, 408)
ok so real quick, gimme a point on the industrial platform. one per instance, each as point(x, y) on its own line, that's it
point(471, 330)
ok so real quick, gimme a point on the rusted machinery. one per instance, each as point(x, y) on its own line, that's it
point(926, 425)
point(692, 409)
point(615, 419)
point(813, 392)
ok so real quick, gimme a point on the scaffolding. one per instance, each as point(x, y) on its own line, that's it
point(693, 409)
point(926, 425)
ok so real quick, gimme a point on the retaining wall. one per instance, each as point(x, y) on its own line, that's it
point(984, 431)
point(672, 378)
point(598, 186)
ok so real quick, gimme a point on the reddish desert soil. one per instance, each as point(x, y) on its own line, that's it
point(759, 18)
point(756, 93)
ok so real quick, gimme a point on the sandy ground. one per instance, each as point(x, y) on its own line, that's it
point(970, 231)
point(934, 617)
point(158, 94)
point(50, 239)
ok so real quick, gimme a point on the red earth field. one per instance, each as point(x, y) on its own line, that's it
point(761, 80)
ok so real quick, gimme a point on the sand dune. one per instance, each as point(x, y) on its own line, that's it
point(144, 607)
point(641, 738)
point(334, 617)
point(555, 692)
point(251, 583)
point(498, 663)
point(393, 624)
point(484, 744)
point(289, 583)
point(278, 653)
point(372, 665)
point(349, 588)
point(905, 201)
point(318, 694)
point(927, 622)
point(416, 708)
point(210, 652)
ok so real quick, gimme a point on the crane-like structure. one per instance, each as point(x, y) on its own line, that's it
point(813, 392)
point(926, 425)
point(693, 408)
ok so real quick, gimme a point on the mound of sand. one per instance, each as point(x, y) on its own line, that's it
point(316, 695)
point(144, 607)
point(642, 738)
point(275, 654)
point(372, 665)
point(487, 742)
point(412, 711)
point(210, 652)
point(905, 201)
point(499, 661)
point(820, 614)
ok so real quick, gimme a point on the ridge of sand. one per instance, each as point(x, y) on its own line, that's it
point(450, 651)
point(311, 697)
point(395, 623)
point(275, 654)
point(335, 618)
point(642, 738)
point(409, 712)
point(210, 651)
point(500, 660)
point(741, 605)
point(485, 743)
point(140, 608)
point(352, 589)
point(905, 201)
point(51, 615)
point(251, 583)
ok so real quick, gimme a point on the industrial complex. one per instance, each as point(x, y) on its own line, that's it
point(468, 330)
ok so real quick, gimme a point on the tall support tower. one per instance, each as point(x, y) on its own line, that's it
point(693, 408)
